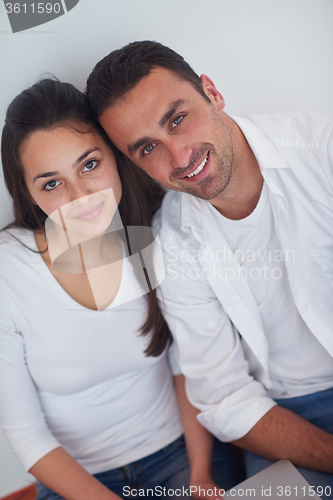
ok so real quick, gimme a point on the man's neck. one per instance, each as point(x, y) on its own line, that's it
point(242, 194)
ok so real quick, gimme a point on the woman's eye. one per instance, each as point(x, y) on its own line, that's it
point(148, 149)
point(90, 165)
point(49, 186)
point(176, 121)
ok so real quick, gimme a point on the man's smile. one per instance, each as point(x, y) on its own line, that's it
point(199, 168)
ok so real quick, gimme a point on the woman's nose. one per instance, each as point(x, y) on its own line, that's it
point(80, 196)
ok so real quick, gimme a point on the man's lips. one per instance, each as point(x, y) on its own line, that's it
point(90, 214)
point(199, 168)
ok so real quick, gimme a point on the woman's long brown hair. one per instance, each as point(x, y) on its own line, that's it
point(50, 103)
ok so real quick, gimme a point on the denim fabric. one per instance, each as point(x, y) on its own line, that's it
point(317, 408)
point(167, 468)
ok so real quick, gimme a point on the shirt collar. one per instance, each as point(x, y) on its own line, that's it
point(263, 148)
point(191, 208)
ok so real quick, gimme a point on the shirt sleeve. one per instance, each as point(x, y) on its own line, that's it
point(208, 350)
point(21, 416)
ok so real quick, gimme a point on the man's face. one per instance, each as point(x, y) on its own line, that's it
point(173, 133)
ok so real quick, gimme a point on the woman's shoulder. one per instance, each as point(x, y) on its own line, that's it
point(16, 241)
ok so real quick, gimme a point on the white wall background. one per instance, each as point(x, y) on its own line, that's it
point(264, 56)
point(12, 475)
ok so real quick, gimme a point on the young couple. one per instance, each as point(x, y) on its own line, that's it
point(87, 400)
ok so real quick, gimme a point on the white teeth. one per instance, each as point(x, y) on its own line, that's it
point(200, 167)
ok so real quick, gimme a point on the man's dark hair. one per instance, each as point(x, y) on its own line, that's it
point(122, 70)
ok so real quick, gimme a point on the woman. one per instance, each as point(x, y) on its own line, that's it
point(85, 385)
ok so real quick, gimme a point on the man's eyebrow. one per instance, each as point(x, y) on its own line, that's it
point(172, 110)
point(75, 164)
point(132, 148)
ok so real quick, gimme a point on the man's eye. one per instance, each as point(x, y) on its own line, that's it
point(49, 186)
point(176, 121)
point(90, 165)
point(148, 149)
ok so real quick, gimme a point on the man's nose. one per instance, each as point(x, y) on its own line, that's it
point(180, 152)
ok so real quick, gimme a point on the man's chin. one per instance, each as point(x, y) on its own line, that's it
point(206, 191)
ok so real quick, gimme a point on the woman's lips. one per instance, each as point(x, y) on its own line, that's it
point(90, 214)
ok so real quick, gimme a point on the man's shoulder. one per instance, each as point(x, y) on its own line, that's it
point(168, 216)
point(298, 129)
point(179, 219)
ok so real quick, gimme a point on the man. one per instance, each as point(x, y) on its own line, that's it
point(248, 294)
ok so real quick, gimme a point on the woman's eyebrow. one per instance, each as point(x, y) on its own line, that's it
point(75, 164)
point(45, 174)
point(84, 155)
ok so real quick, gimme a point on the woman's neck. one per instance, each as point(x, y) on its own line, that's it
point(89, 272)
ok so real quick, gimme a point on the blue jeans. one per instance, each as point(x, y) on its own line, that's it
point(168, 468)
point(317, 408)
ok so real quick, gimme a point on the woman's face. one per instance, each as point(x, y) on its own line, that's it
point(72, 176)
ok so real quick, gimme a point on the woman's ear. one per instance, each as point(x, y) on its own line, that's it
point(212, 92)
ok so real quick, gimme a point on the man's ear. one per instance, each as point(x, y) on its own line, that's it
point(212, 92)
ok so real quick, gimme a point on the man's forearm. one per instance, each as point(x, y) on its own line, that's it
point(283, 434)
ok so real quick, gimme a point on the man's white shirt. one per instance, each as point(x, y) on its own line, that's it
point(230, 342)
